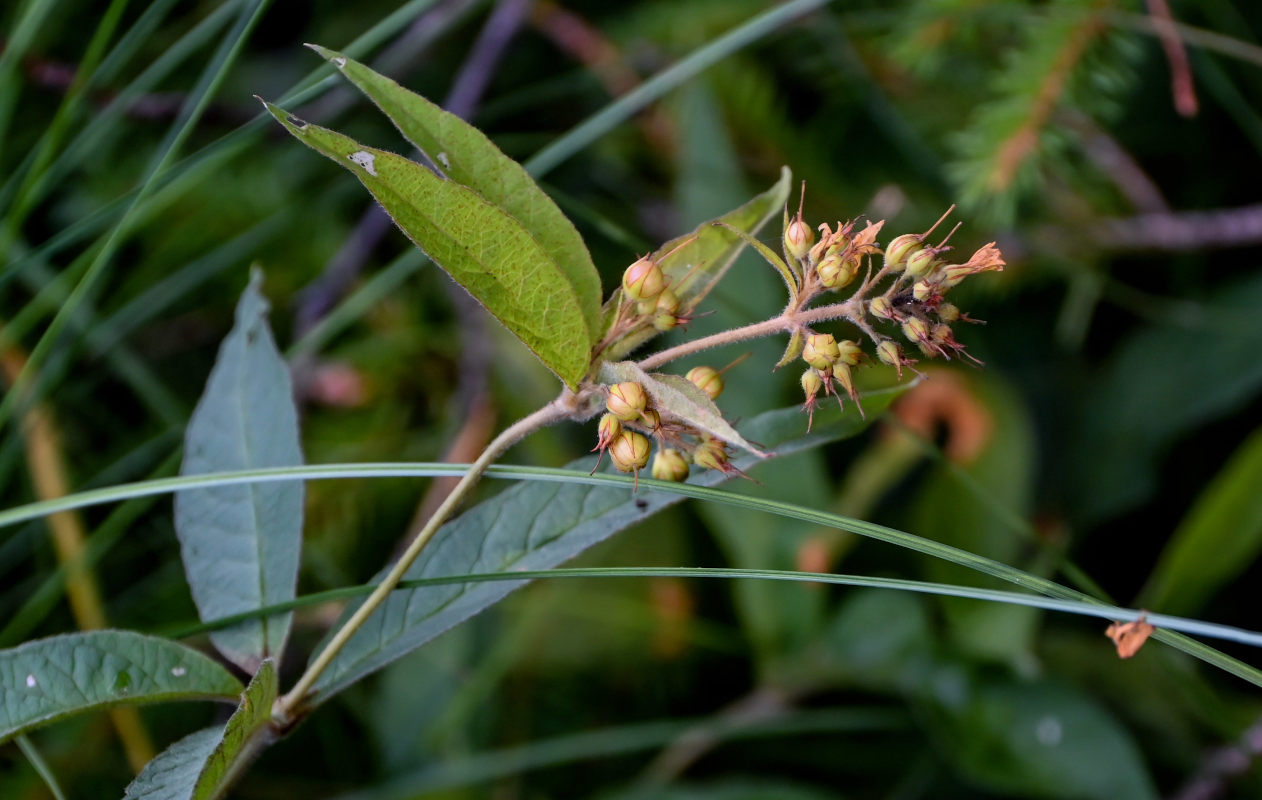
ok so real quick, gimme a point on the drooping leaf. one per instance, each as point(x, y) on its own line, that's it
point(676, 396)
point(50, 679)
point(1219, 539)
point(465, 155)
point(537, 526)
point(484, 249)
point(198, 766)
point(698, 260)
point(240, 544)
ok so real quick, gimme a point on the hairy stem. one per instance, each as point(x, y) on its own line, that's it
point(788, 321)
point(552, 412)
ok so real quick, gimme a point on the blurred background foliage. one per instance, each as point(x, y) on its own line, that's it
point(1111, 442)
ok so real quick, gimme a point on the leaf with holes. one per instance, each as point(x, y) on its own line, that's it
point(484, 249)
point(50, 679)
point(465, 155)
point(240, 544)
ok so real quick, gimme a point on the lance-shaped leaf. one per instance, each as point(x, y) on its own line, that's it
point(538, 526)
point(199, 766)
point(240, 544)
point(698, 260)
point(465, 155)
point(676, 396)
point(484, 249)
point(50, 679)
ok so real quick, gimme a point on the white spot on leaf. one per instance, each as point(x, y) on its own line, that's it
point(339, 62)
point(442, 159)
point(366, 160)
point(1049, 731)
point(178, 671)
point(30, 681)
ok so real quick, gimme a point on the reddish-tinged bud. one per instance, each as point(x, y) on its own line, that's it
point(917, 330)
point(920, 263)
point(711, 454)
point(626, 401)
point(902, 248)
point(987, 259)
point(881, 308)
point(707, 379)
point(811, 384)
point(670, 465)
point(652, 420)
point(629, 451)
point(643, 280)
point(609, 428)
point(890, 353)
point(821, 350)
point(798, 238)
point(849, 352)
point(841, 374)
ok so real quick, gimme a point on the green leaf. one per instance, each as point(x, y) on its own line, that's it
point(240, 544)
point(1041, 740)
point(698, 260)
point(50, 679)
point(484, 249)
point(1219, 539)
point(199, 766)
point(537, 526)
point(788, 275)
point(676, 396)
point(465, 155)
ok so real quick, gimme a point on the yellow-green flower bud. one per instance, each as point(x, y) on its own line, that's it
point(917, 330)
point(670, 465)
point(849, 352)
point(798, 238)
point(881, 308)
point(821, 350)
point(890, 353)
point(711, 454)
point(651, 419)
point(643, 280)
point(665, 322)
point(627, 400)
point(664, 312)
point(926, 290)
point(811, 383)
point(629, 451)
point(606, 431)
point(707, 379)
point(829, 271)
point(920, 263)
point(902, 248)
point(948, 312)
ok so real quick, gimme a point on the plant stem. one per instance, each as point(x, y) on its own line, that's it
point(788, 321)
point(552, 412)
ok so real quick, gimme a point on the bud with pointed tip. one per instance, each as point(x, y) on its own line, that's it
point(643, 280)
point(811, 384)
point(608, 428)
point(798, 238)
point(902, 248)
point(921, 263)
point(711, 454)
point(629, 451)
point(707, 379)
point(849, 352)
point(881, 308)
point(917, 330)
point(652, 420)
point(821, 350)
point(626, 400)
point(890, 353)
point(670, 465)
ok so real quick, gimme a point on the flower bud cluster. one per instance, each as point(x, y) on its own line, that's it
point(629, 416)
point(646, 287)
point(907, 293)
